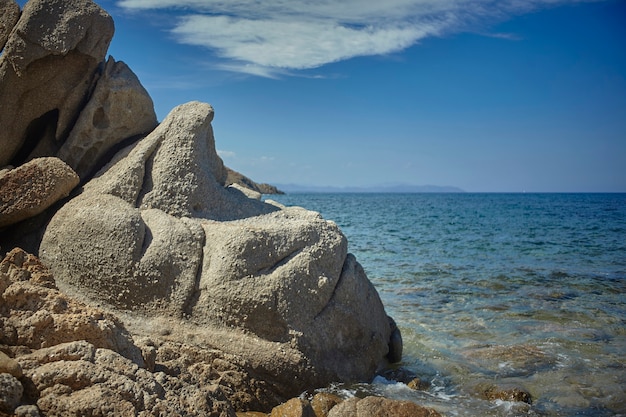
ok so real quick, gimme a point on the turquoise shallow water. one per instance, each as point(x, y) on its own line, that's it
point(524, 290)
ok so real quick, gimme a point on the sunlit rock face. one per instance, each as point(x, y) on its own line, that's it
point(137, 220)
point(157, 232)
point(47, 70)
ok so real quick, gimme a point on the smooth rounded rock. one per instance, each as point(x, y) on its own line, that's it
point(9, 366)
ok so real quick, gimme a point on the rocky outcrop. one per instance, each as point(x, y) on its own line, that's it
point(9, 14)
point(64, 357)
point(76, 378)
point(119, 108)
point(35, 314)
point(248, 192)
point(33, 187)
point(234, 177)
point(60, 99)
point(47, 71)
point(69, 358)
point(144, 201)
point(157, 231)
point(232, 303)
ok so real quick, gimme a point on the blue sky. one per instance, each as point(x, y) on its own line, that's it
point(508, 95)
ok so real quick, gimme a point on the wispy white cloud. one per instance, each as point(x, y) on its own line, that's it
point(292, 44)
point(502, 35)
point(270, 38)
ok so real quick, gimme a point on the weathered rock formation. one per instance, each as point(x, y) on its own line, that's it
point(58, 98)
point(156, 231)
point(119, 109)
point(33, 187)
point(70, 358)
point(9, 14)
point(35, 314)
point(59, 356)
point(234, 177)
point(228, 302)
point(47, 72)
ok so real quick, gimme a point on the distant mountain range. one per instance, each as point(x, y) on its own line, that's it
point(384, 188)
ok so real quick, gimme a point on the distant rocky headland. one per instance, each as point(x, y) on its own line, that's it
point(142, 277)
point(234, 177)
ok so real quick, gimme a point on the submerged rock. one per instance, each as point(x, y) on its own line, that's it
point(380, 407)
point(494, 392)
point(514, 360)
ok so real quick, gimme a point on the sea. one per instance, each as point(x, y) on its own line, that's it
point(495, 292)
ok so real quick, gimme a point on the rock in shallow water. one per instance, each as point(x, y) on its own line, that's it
point(507, 394)
point(508, 361)
point(380, 407)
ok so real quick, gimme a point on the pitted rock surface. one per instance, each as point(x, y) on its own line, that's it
point(156, 231)
point(33, 187)
point(47, 70)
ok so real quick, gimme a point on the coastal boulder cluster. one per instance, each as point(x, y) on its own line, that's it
point(158, 288)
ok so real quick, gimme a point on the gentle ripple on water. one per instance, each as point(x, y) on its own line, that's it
point(517, 289)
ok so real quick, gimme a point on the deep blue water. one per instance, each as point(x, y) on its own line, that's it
point(525, 290)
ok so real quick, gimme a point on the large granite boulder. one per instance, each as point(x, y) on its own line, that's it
point(136, 245)
point(237, 302)
point(47, 70)
point(156, 232)
point(119, 108)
